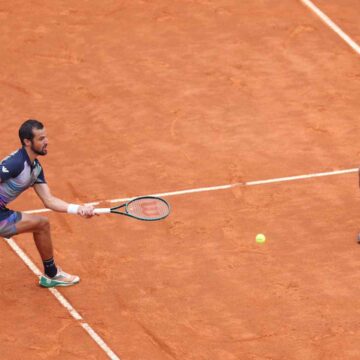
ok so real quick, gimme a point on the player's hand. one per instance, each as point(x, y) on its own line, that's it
point(86, 211)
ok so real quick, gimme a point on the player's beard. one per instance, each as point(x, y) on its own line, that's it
point(41, 152)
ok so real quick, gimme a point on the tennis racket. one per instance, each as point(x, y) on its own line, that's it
point(147, 208)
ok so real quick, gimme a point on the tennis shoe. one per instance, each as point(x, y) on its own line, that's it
point(60, 279)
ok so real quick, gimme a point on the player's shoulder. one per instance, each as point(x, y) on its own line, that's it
point(14, 161)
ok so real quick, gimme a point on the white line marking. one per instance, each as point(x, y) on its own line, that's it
point(224, 187)
point(249, 183)
point(181, 192)
point(303, 177)
point(14, 246)
point(332, 25)
point(37, 211)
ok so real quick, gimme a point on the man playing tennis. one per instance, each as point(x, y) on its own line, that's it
point(18, 172)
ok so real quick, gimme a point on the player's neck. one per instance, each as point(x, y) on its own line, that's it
point(31, 154)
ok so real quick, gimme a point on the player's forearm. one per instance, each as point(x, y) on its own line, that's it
point(59, 205)
point(56, 204)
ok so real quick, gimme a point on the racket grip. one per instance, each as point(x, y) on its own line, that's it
point(102, 211)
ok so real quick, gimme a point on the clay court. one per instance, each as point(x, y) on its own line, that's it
point(153, 97)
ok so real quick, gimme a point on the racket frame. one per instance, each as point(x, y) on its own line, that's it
point(115, 209)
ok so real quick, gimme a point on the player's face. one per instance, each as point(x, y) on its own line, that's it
point(40, 142)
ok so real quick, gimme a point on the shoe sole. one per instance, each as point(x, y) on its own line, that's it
point(56, 284)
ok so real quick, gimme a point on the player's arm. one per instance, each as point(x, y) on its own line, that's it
point(56, 204)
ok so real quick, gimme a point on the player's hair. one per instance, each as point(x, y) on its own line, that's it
point(26, 129)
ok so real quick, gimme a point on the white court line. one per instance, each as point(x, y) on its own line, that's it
point(224, 187)
point(249, 183)
point(14, 246)
point(332, 25)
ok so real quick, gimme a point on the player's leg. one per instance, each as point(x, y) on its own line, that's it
point(19, 223)
point(40, 227)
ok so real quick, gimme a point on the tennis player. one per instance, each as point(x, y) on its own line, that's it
point(18, 172)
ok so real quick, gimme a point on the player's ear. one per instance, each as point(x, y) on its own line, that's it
point(27, 142)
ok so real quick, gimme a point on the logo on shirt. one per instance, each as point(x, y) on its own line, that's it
point(4, 169)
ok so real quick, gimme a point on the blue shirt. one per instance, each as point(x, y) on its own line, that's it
point(17, 174)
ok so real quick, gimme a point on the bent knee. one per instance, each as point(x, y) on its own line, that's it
point(42, 223)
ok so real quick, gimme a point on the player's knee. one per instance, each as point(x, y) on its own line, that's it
point(43, 223)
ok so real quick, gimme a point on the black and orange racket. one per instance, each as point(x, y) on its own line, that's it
point(147, 208)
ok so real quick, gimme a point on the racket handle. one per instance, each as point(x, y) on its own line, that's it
point(102, 211)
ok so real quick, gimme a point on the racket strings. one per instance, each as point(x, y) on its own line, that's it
point(148, 208)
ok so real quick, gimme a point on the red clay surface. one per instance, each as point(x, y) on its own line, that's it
point(143, 97)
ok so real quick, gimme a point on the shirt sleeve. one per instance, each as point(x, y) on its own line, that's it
point(10, 168)
point(41, 178)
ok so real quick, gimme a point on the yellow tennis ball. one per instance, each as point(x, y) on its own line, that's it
point(260, 238)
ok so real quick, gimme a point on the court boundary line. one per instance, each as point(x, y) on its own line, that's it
point(332, 25)
point(221, 187)
point(62, 300)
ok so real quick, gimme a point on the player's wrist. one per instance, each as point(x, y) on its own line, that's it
point(73, 209)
